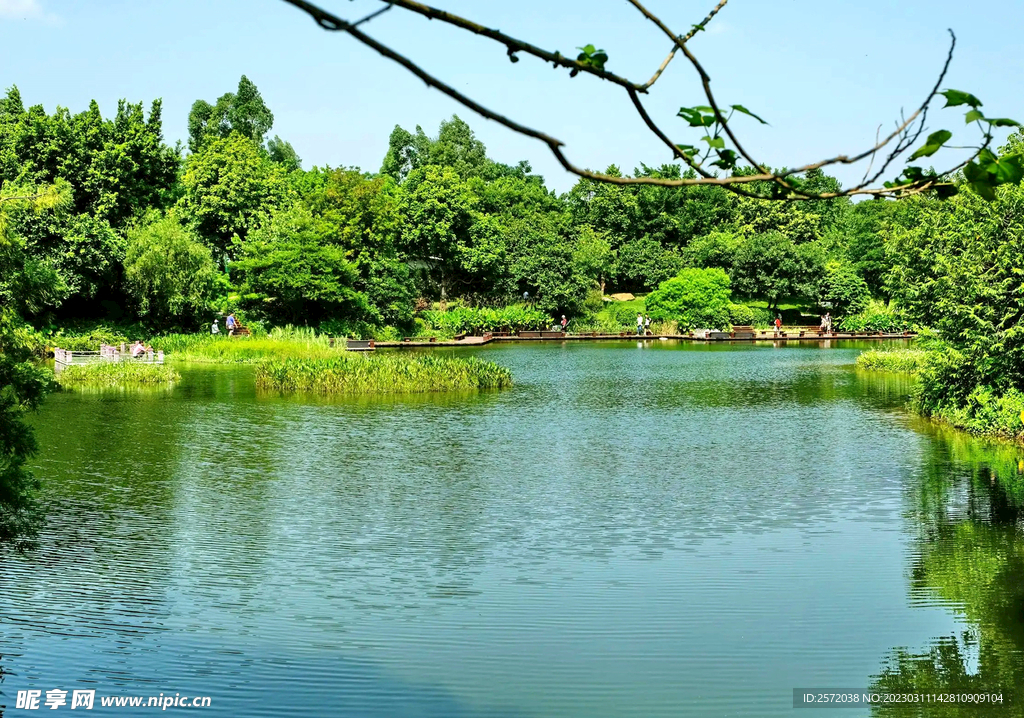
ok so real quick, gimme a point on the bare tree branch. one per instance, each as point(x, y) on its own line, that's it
point(513, 44)
point(900, 140)
point(684, 39)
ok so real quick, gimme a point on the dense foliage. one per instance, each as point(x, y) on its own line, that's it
point(246, 229)
point(696, 298)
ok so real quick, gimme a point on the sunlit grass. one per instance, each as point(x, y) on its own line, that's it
point(380, 374)
point(904, 361)
point(107, 374)
point(287, 342)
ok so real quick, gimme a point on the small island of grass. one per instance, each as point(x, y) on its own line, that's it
point(109, 374)
point(901, 361)
point(380, 374)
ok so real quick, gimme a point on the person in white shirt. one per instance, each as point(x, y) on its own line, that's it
point(214, 329)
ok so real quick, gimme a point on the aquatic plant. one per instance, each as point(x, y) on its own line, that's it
point(116, 374)
point(902, 360)
point(386, 373)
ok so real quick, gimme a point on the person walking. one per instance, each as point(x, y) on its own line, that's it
point(828, 323)
point(639, 324)
point(778, 323)
point(565, 323)
point(647, 325)
point(215, 328)
point(230, 323)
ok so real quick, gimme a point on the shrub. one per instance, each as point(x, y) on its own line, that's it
point(875, 317)
point(696, 298)
point(465, 320)
point(762, 318)
point(393, 373)
point(741, 314)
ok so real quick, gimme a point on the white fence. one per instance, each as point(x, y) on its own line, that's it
point(109, 353)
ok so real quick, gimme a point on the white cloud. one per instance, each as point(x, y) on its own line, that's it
point(23, 10)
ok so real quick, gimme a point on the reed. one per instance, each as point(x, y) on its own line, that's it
point(903, 361)
point(221, 349)
point(391, 373)
point(106, 374)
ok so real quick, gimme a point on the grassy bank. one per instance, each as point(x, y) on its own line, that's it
point(978, 410)
point(104, 374)
point(903, 361)
point(380, 374)
point(221, 349)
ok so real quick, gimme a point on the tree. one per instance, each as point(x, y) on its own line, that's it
point(695, 298)
point(117, 169)
point(455, 147)
point(643, 263)
point(282, 153)
point(768, 265)
point(228, 187)
point(288, 274)
point(22, 383)
point(956, 268)
point(843, 289)
point(170, 274)
point(593, 256)
point(242, 111)
point(717, 249)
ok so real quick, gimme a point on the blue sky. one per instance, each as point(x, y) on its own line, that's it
point(825, 74)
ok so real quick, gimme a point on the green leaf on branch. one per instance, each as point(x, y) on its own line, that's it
point(688, 151)
point(745, 111)
point(1004, 122)
point(716, 143)
point(1008, 169)
point(974, 115)
point(955, 98)
point(980, 180)
point(592, 57)
point(726, 159)
point(694, 116)
point(932, 145)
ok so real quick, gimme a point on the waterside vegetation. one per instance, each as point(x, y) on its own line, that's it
point(111, 374)
point(384, 373)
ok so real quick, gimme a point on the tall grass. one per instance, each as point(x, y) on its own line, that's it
point(104, 374)
point(397, 373)
point(221, 349)
point(904, 361)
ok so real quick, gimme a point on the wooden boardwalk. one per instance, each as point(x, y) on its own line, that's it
point(794, 335)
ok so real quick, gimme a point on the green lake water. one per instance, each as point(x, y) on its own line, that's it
point(635, 529)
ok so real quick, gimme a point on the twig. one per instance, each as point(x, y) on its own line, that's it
point(684, 39)
point(903, 134)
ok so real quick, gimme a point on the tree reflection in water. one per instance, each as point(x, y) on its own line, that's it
point(968, 508)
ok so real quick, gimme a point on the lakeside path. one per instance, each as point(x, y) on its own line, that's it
point(715, 337)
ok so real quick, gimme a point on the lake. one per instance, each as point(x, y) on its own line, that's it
point(635, 529)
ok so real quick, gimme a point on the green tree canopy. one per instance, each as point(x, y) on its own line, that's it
point(695, 298)
point(228, 187)
point(242, 111)
point(288, 275)
point(170, 274)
